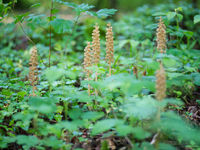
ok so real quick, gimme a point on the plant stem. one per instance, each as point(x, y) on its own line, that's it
point(89, 84)
point(96, 78)
point(21, 25)
point(88, 89)
point(50, 30)
point(110, 69)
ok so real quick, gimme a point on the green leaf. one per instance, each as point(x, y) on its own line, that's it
point(147, 103)
point(102, 13)
point(83, 8)
point(124, 130)
point(53, 142)
point(61, 26)
point(53, 73)
point(104, 125)
point(36, 5)
point(170, 62)
point(140, 133)
point(92, 115)
point(196, 19)
point(42, 105)
point(197, 79)
point(180, 17)
point(28, 141)
point(78, 8)
point(164, 146)
point(75, 113)
point(171, 15)
point(158, 14)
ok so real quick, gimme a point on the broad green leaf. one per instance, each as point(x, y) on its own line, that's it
point(164, 146)
point(28, 141)
point(133, 107)
point(104, 125)
point(61, 26)
point(169, 62)
point(171, 15)
point(53, 142)
point(158, 14)
point(124, 130)
point(196, 19)
point(75, 113)
point(197, 79)
point(180, 17)
point(140, 133)
point(170, 125)
point(53, 74)
point(42, 105)
point(81, 96)
point(92, 115)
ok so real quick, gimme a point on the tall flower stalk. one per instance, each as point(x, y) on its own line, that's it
point(160, 83)
point(96, 49)
point(161, 36)
point(109, 46)
point(87, 63)
point(33, 70)
point(160, 95)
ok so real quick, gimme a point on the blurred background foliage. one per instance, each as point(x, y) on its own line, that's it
point(122, 5)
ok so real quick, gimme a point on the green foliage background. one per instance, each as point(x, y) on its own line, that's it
point(62, 115)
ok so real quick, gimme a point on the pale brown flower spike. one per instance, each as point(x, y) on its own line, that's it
point(96, 49)
point(87, 58)
point(109, 46)
point(87, 62)
point(96, 44)
point(160, 83)
point(33, 70)
point(161, 36)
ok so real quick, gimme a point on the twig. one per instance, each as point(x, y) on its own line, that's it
point(26, 35)
point(129, 141)
point(153, 141)
point(73, 29)
point(126, 137)
point(50, 30)
point(21, 25)
point(75, 23)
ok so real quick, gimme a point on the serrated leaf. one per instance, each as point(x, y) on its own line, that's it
point(104, 125)
point(53, 142)
point(61, 26)
point(92, 115)
point(105, 12)
point(133, 107)
point(42, 105)
point(29, 141)
point(53, 74)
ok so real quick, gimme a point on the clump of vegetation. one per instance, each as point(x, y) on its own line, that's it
point(139, 91)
